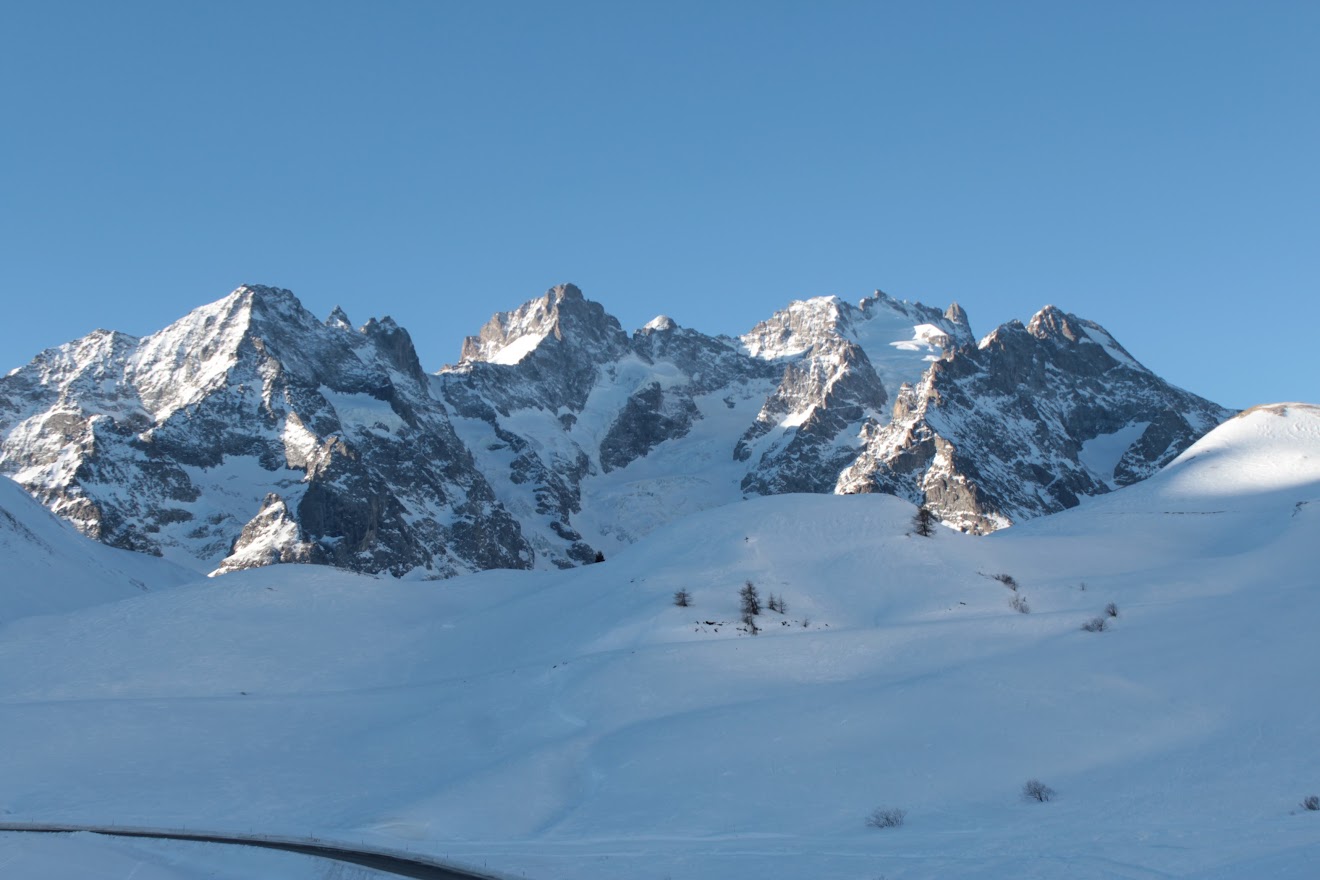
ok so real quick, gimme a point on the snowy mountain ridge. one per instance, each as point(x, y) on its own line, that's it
point(250, 432)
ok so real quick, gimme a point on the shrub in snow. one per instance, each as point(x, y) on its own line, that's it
point(600, 557)
point(1311, 803)
point(1019, 604)
point(1111, 609)
point(1007, 580)
point(923, 522)
point(1095, 625)
point(682, 598)
point(1035, 790)
point(890, 817)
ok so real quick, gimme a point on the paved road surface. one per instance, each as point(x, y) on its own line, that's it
point(399, 864)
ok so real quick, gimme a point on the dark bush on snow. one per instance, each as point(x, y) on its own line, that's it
point(886, 817)
point(1035, 790)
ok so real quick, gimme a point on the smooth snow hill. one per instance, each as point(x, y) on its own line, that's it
point(577, 724)
point(48, 567)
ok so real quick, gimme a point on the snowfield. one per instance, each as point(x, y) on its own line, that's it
point(577, 724)
point(47, 567)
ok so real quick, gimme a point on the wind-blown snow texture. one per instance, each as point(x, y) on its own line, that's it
point(249, 432)
point(577, 724)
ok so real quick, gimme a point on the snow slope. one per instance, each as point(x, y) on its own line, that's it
point(577, 724)
point(49, 568)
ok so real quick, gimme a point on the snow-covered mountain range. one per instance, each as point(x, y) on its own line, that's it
point(250, 432)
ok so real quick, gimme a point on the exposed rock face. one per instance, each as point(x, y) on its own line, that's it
point(831, 388)
point(1169, 433)
point(249, 433)
point(558, 342)
point(272, 536)
point(648, 419)
point(554, 396)
point(1028, 422)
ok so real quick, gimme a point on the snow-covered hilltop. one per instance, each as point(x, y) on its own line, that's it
point(249, 432)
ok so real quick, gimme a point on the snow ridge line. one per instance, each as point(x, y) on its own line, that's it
point(395, 861)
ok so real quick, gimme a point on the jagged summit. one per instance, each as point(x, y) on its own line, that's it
point(562, 315)
point(557, 341)
point(339, 318)
point(1053, 322)
point(955, 314)
point(250, 432)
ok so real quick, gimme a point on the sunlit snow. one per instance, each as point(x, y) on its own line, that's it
point(577, 724)
point(518, 349)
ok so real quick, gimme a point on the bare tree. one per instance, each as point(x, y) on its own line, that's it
point(751, 601)
point(1035, 790)
point(923, 522)
point(682, 598)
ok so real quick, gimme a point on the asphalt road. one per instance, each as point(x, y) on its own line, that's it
point(401, 865)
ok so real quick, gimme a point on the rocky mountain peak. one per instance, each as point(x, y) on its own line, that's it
point(267, 296)
point(955, 314)
point(396, 345)
point(567, 291)
point(94, 355)
point(562, 315)
point(799, 327)
point(267, 310)
point(1053, 323)
point(339, 319)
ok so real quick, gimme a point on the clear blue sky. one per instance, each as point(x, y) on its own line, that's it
point(1150, 165)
